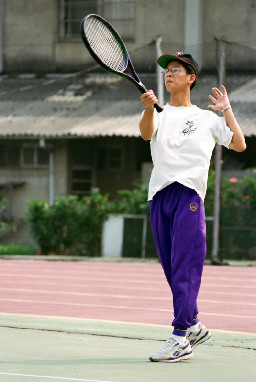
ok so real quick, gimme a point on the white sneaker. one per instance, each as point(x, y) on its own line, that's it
point(199, 336)
point(173, 351)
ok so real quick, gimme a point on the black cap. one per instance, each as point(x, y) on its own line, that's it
point(180, 56)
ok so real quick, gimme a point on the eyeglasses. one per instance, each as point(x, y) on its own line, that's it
point(174, 70)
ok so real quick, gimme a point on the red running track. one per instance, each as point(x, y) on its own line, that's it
point(130, 292)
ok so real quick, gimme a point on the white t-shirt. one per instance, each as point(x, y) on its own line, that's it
point(182, 145)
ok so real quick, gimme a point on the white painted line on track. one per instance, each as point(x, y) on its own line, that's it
point(127, 275)
point(129, 287)
point(84, 278)
point(161, 282)
point(106, 306)
point(117, 296)
point(53, 377)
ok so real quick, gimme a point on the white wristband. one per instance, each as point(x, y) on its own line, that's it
point(225, 108)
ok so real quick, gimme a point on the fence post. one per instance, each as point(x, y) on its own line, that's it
point(218, 161)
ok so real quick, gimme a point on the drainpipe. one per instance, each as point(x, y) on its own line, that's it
point(1, 36)
point(51, 171)
point(51, 178)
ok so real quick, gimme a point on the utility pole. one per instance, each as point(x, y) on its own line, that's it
point(218, 159)
point(159, 75)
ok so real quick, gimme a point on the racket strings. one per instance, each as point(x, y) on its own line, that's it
point(105, 44)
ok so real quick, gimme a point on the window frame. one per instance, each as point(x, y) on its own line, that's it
point(100, 10)
point(35, 163)
point(108, 167)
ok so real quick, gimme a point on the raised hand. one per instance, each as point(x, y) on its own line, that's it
point(221, 100)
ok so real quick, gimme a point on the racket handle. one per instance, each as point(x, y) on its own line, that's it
point(158, 108)
point(142, 88)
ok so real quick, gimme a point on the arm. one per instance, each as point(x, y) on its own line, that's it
point(147, 126)
point(221, 101)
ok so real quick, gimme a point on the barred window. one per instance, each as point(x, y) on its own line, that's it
point(23, 156)
point(32, 156)
point(110, 158)
point(9, 156)
point(120, 13)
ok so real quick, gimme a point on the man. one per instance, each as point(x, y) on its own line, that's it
point(182, 138)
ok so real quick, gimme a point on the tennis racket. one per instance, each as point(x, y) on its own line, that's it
point(108, 49)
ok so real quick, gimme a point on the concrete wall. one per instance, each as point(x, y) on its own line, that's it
point(32, 42)
point(30, 35)
point(234, 19)
point(37, 180)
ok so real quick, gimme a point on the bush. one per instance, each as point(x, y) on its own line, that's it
point(239, 192)
point(17, 249)
point(73, 226)
point(131, 202)
point(70, 225)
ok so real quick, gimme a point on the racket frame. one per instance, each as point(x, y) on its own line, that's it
point(128, 63)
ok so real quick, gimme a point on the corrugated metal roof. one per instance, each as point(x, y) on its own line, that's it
point(98, 106)
point(107, 121)
point(68, 108)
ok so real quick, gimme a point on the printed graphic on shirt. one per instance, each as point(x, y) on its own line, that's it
point(193, 206)
point(190, 128)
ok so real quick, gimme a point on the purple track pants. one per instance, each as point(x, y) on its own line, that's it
point(178, 225)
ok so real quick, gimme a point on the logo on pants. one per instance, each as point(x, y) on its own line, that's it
point(193, 206)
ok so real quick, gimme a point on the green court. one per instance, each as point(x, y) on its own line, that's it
point(60, 349)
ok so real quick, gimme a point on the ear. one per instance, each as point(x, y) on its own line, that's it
point(191, 79)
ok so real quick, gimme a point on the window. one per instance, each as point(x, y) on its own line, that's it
point(34, 157)
point(82, 180)
point(42, 157)
point(110, 158)
point(9, 156)
point(120, 13)
point(26, 156)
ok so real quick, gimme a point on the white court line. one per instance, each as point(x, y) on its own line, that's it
point(118, 296)
point(53, 377)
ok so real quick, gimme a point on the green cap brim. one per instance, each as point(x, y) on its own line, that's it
point(166, 58)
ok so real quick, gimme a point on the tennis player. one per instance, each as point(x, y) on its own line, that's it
point(182, 139)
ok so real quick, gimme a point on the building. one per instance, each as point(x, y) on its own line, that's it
point(44, 35)
point(64, 133)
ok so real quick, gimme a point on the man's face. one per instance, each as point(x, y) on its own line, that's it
point(176, 77)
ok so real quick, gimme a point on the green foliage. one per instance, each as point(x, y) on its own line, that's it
point(239, 192)
point(93, 211)
point(70, 225)
point(209, 198)
point(73, 226)
point(15, 249)
point(131, 201)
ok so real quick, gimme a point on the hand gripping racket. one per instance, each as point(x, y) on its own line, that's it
point(108, 49)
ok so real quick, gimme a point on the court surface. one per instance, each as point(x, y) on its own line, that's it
point(128, 308)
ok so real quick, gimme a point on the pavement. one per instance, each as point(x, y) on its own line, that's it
point(35, 348)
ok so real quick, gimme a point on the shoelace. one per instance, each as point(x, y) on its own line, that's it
point(170, 342)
